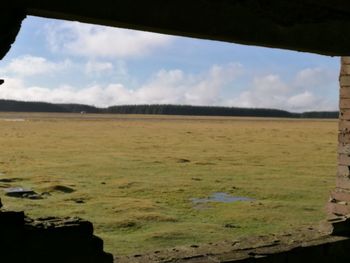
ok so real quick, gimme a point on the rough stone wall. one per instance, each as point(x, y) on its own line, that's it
point(54, 240)
point(339, 205)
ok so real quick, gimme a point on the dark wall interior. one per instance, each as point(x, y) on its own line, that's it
point(54, 240)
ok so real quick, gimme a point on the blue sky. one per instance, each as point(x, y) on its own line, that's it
point(70, 62)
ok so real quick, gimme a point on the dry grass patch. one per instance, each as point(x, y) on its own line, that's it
point(134, 176)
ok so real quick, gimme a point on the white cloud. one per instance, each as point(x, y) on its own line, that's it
point(30, 65)
point(97, 68)
point(271, 83)
point(301, 94)
point(207, 90)
point(314, 78)
point(173, 86)
point(92, 67)
point(99, 41)
point(303, 101)
point(267, 92)
point(164, 88)
point(176, 87)
point(95, 95)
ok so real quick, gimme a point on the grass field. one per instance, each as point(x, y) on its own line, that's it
point(134, 176)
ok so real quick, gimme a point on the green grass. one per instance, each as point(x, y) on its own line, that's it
point(136, 187)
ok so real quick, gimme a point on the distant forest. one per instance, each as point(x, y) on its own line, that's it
point(22, 106)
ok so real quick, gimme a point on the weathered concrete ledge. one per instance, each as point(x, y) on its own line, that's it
point(303, 245)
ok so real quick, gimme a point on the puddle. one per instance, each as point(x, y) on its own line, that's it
point(62, 189)
point(20, 192)
point(220, 198)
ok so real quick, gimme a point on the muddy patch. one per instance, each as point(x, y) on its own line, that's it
point(127, 185)
point(79, 200)
point(183, 160)
point(196, 179)
point(128, 225)
point(205, 163)
point(10, 180)
point(61, 189)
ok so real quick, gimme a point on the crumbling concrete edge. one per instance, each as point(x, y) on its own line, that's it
point(300, 245)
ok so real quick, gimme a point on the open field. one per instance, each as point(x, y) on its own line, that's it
point(134, 176)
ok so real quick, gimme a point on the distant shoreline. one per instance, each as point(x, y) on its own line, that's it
point(161, 109)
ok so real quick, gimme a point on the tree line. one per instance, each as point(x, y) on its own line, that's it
point(161, 109)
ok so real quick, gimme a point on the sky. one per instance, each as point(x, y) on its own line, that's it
point(70, 62)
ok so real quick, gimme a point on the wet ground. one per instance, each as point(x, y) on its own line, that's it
point(220, 198)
